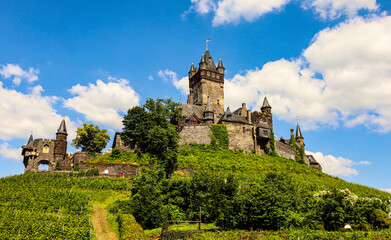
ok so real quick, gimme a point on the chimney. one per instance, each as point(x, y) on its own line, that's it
point(249, 116)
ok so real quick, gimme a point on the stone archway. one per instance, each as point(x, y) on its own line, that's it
point(41, 165)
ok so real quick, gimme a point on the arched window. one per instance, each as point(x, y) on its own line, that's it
point(45, 148)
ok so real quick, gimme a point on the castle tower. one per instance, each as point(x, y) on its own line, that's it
point(266, 110)
point(207, 81)
point(299, 137)
point(209, 112)
point(60, 146)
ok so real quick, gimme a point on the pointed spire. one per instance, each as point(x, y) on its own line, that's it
point(192, 67)
point(203, 58)
point(220, 65)
point(229, 111)
point(298, 132)
point(209, 107)
point(31, 139)
point(265, 103)
point(62, 129)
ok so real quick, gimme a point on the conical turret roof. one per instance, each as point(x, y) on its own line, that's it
point(265, 103)
point(220, 65)
point(192, 67)
point(31, 139)
point(209, 107)
point(298, 132)
point(62, 129)
point(229, 111)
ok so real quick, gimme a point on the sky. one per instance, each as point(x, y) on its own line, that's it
point(323, 63)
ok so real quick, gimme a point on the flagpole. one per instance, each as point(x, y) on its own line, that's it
point(206, 44)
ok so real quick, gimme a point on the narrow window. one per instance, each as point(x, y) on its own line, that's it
point(244, 130)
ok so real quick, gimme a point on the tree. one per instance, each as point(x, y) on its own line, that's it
point(91, 138)
point(150, 129)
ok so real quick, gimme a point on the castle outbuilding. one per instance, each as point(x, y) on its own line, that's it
point(47, 152)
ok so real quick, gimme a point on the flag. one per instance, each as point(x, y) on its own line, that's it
point(208, 40)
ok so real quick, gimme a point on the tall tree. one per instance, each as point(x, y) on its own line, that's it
point(91, 138)
point(150, 129)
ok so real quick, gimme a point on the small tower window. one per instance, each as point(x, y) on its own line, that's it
point(218, 76)
point(208, 74)
point(45, 148)
point(244, 130)
point(213, 75)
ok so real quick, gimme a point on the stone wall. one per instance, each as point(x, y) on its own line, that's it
point(285, 150)
point(194, 134)
point(241, 136)
point(80, 157)
point(112, 170)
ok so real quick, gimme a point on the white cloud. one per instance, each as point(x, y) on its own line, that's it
point(6, 151)
point(22, 113)
point(233, 11)
point(180, 84)
point(343, 76)
point(332, 9)
point(15, 72)
point(103, 102)
point(387, 190)
point(338, 166)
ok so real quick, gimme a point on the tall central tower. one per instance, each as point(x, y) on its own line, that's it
point(207, 81)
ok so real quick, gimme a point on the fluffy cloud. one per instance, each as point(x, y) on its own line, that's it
point(26, 113)
point(103, 102)
point(232, 11)
point(6, 151)
point(338, 166)
point(18, 74)
point(343, 76)
point(180, 84)
point(332, 9)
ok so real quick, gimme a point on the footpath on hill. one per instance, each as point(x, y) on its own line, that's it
point(101, 224)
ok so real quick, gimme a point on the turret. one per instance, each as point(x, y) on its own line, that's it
point(192, 70)
point(62, 131)
point(209, 112)
point(229, 114)
point(220, 67)
point(266, 108)
point(299, 137)
point(31, 139)
point(202, 63)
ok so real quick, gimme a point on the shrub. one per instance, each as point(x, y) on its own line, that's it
point(128, 227)
point(219, 135)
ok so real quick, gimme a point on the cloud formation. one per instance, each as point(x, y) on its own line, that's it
point(17, 74)
point(103, 102)
point(180, 84)
point(343, 76)
point(233, 11)
point(337, 166)
point(22, 113)
point(7, 152)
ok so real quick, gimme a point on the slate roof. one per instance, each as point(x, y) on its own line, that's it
point(220, 65)
point(209, 107)
point(234, 118)
point(62, 128)
point(265, 103)
point(188, 110)
point(263, 125)
point(298, 132)
point(207, 58)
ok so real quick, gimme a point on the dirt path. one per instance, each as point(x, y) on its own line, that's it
point(102, 226)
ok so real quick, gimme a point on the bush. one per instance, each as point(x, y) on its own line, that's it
point(380, 219)
point(128, 227)
point(219, 136)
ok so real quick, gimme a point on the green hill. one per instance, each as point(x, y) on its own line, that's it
point(235, 190)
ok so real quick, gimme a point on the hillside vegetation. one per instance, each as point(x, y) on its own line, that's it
point(236, 192)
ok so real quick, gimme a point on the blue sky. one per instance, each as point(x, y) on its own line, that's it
point(324, 63)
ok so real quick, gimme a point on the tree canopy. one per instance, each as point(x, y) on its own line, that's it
point(150, 129)
point(91, 138)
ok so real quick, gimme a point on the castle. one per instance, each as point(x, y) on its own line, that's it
point(247, 131)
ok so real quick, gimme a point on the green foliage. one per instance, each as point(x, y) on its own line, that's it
point(129, 228)
point(91, 138)
point(300, 154)
point(149, 129)
point(219, 136)
point(380, 219)
point(272, 145)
